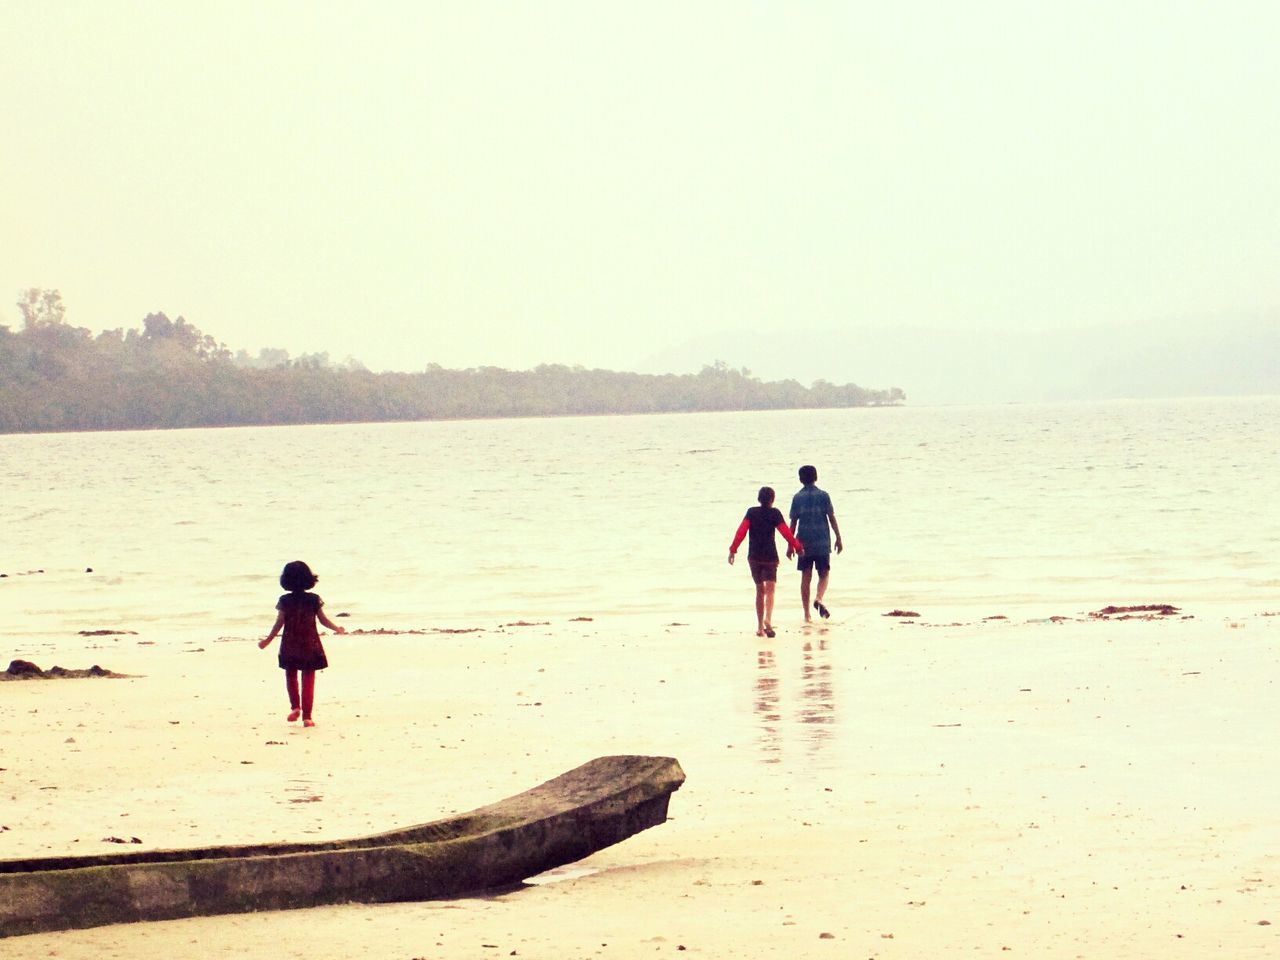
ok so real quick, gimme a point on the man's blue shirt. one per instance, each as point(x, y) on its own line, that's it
point(810, 506)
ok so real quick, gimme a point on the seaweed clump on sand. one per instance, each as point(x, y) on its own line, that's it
point(26, 670)
point(1146, 611)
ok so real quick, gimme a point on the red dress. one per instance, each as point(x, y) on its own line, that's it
point(300, 647)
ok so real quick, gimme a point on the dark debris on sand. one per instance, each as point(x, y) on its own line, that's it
point(26, 670)
point(1146, 611)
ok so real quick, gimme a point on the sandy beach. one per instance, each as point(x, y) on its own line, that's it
point(867, 787)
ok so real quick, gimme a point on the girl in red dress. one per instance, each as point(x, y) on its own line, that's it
point(762, 554)
point(300, 647)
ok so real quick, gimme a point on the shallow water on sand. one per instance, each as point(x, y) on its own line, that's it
point(176, 538)
point(984, 509)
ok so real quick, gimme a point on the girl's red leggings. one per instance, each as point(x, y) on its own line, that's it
point(308, 690)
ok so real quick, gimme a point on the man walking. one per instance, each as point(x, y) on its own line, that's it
point(811, 513)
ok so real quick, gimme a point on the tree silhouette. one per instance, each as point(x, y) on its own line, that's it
point(54, 376)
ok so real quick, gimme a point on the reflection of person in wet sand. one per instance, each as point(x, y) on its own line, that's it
point(817, 695)
point(762, 523)
point(766, 706)
point(813, 711)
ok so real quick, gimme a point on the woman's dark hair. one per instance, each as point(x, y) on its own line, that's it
point(297, 576)
point(765, 496)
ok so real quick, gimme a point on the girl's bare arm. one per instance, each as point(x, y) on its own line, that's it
point(320, 615)
point(262, 644)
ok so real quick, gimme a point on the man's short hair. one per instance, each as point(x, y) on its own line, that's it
point(808, 474)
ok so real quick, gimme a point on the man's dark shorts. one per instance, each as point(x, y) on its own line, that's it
point(820, 560)
point(763, 571)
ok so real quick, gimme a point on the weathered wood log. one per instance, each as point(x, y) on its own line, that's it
point(591, 807)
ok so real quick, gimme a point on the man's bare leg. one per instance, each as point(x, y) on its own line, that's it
point(805, 577)
point(822, 586)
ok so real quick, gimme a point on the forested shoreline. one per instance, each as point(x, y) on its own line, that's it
point(169, 374)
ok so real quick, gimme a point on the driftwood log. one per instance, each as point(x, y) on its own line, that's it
point(591, 807)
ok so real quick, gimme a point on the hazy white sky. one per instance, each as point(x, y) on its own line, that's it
point(597, 183)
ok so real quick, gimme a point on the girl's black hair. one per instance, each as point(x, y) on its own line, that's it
point(297, 576)
point(765, 496)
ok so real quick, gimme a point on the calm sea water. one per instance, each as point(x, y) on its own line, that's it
point(980, 510)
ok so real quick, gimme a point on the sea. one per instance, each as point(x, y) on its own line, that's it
point(955, 511)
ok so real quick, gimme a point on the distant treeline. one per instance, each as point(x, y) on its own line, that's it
point(54, 376)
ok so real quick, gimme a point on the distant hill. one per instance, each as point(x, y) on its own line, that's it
point(1198, 356)
point(54, 376)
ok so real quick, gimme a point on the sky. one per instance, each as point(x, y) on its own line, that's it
point(811, 190)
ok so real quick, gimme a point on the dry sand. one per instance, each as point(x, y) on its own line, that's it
point(862, 788)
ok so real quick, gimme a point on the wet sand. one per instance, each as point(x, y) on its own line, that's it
point(865, 787)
